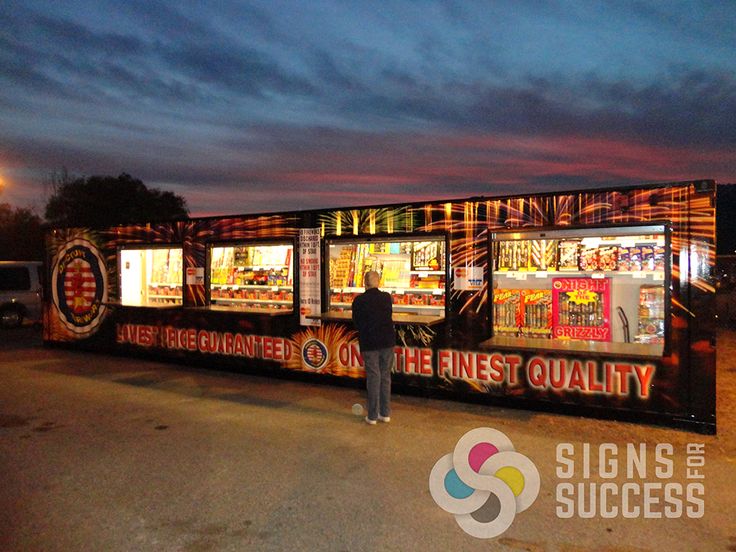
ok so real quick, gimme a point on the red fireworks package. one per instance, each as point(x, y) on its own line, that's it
point(507, 317)
point(588, 259)
point(608, 258)
point(537, 311)
point(581, 308)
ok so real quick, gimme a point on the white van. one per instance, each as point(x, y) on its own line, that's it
point(20, 292)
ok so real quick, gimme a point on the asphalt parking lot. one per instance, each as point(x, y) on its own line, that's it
point(109, 453)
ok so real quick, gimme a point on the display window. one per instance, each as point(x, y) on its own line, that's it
point(151, 277)
point(252, 277)
point(413, 271)
point(592, 285)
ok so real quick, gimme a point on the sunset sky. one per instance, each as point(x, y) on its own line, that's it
point(252, 106)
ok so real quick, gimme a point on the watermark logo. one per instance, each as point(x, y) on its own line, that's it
point(635, 480)
point(484, 483)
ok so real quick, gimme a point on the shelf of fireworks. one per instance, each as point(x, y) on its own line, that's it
point(597, 284)
point(257, 277)
point(151, 277)
point(412, 270)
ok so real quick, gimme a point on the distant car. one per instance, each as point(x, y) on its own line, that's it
point(20, 292)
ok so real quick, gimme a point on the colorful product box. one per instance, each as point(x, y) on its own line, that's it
point(588, 259)
point(568, 254)
point(537, 312)
point(507, 315)
point(608, 258)
point(581, 309)
point(543, 254)
point(659, 258)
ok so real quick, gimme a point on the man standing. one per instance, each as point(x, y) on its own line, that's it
point(372, 316)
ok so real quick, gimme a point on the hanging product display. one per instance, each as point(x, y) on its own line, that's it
point(537, 309)
point(507, 317)
point(581, 308)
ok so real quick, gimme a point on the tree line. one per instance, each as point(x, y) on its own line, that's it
point(94, 202)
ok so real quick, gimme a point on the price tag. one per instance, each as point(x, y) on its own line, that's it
point(274, 288)
point(597, 275)
point(399, 291)
point(437, 292)
point(658, 276)
point(521, 276)
point(541, 274)
point(639, 275)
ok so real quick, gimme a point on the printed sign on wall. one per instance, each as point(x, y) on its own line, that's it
point(79, 286)
point(468, 278)
point(310, 302)
point(195, 276)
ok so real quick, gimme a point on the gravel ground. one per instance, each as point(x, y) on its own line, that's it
point(107, 453)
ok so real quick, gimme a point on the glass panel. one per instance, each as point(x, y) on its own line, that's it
point(151, 277)
point(256, 278)
point(412, 271)
point(594, 285)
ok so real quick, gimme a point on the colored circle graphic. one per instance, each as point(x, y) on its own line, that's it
point(519, 473)
point(494, 516)
point(450, 495)
point(484, 482)
point(473, 449)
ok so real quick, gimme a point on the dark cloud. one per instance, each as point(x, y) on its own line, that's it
point(690, 106)
point(167, 21)
point(338, 101)
point(64, 35)
point(243, 71)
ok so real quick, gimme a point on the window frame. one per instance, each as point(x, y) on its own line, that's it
point(386, 237)
point(253, 242)
point(147, 247)
point(579, 231)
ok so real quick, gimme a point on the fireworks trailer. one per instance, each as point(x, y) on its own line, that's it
point(593, 302)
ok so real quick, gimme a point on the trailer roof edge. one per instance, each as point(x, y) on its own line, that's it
point(627, 187)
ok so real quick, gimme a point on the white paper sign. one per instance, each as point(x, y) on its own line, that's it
point(310, 302)
point(468, 278)
point(195, 276)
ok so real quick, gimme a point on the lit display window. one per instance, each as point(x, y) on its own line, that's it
point(412, 270)
point(151, 277)
point(604, 285)
point(252, 277)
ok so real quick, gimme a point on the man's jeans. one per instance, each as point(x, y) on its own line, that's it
point(378, 366)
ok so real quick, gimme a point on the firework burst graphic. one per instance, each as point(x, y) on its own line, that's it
point(387, 220)
point(336, 339)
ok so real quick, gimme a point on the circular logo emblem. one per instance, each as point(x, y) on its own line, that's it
point(484, 483)
point(79, 286)
point(315, 353)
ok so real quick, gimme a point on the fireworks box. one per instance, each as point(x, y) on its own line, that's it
point(537, 312)
point(507, 316)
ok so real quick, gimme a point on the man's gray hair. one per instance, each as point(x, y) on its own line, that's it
point(371, 279)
